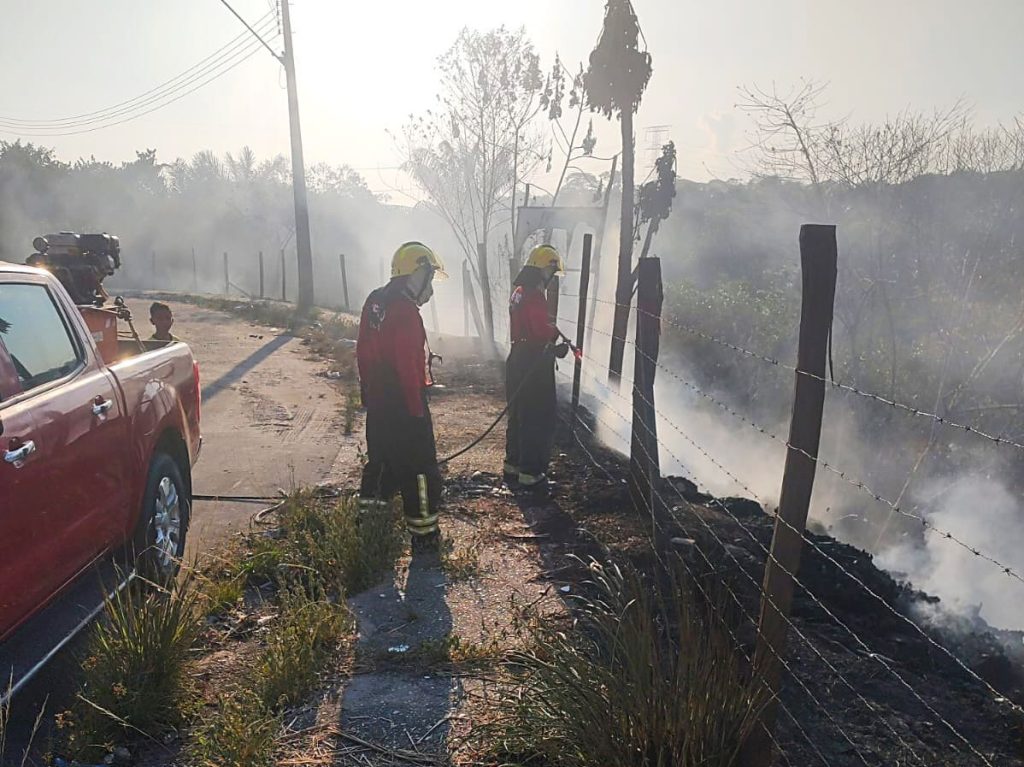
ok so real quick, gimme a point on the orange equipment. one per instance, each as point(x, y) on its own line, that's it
point(102, 324)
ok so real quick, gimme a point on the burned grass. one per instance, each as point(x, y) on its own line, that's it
point(721, 540)
point(907, 689)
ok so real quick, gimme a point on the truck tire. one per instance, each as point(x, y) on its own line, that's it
point(163, 521)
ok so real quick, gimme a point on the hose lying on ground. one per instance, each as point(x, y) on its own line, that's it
point(277, 500)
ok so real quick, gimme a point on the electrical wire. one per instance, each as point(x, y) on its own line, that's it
point(235, 64)
point(120, 107)
point(232, 62)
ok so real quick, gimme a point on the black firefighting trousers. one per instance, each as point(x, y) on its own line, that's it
point(402, 458)
point(530, 392)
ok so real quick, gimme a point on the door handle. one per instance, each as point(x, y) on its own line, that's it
point(101, 406)
point(21, 452)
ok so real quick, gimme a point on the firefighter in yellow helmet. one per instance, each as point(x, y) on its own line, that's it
point(530, 371)
point(391, 352)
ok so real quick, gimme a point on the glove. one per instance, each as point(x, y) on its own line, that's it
point(561, 350)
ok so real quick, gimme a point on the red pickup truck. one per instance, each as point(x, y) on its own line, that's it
point(95, 455)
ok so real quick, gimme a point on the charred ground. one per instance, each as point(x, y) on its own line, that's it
point(880, 672)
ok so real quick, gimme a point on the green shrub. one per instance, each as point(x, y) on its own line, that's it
point(327, 545)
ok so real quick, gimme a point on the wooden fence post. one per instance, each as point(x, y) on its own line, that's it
point(261, 274)
point(644, 466)
point(599, 237)
point(344, 281)
point(284, 278)
point(516, 260)
point(465, 299)
point(195, 273)
point(818, 257)
point(581, 319)
point(433, 315)
point(553, 288)
point(486, 294)
point(474, 310)
point(227, 279)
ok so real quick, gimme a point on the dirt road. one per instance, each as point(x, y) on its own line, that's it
point(270, 419)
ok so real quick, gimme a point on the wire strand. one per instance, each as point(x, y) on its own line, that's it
point(119, 108)
point(878, 598)
point(845, 476)
point(911, 409)
point(871, 707)
point(227, 66)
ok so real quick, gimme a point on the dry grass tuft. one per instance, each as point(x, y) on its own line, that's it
point(648, 678)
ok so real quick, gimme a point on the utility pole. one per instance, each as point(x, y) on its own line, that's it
point(303, 248)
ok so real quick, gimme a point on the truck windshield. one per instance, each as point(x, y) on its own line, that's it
point(35, 335)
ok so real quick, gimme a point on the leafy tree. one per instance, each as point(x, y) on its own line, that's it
point(569, 142)
point(467, 157)
point(615, 82)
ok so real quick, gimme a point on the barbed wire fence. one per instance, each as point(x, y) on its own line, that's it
point(675, 527)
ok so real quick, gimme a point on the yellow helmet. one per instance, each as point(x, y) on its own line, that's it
point(410, 256)
point(544, 256)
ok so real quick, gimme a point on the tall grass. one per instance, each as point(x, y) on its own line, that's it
point(648, 678)
point(5, 720)
point(327, 546)
point(136, 682)
point(135, 673)
point(301, 639)
point(242, 734)
point(322, 549)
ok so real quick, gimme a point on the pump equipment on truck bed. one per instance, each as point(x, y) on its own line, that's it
point(81, 262)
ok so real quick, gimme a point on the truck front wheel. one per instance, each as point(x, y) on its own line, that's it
point(163, 523)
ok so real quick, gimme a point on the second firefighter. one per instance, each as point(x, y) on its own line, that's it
point(530, 371)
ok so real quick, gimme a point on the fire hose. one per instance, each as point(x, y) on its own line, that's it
point(279, 500)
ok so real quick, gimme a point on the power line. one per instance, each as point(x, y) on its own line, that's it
point(279, 57)
point(234, 64)
point(120, 107)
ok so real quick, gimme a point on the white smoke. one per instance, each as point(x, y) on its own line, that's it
point(983, 513)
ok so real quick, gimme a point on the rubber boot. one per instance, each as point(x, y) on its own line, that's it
point(510, 473)
point(426, 546)
point(535, 484)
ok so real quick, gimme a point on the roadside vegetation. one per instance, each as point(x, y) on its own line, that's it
point(135, 673)
point(22, 759)
point(646, 677)
point(272, 612)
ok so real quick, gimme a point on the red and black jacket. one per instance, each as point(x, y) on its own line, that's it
point(528, 312)
point(391, 352)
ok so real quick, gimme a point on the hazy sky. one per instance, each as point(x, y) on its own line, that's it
point(364, 66)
